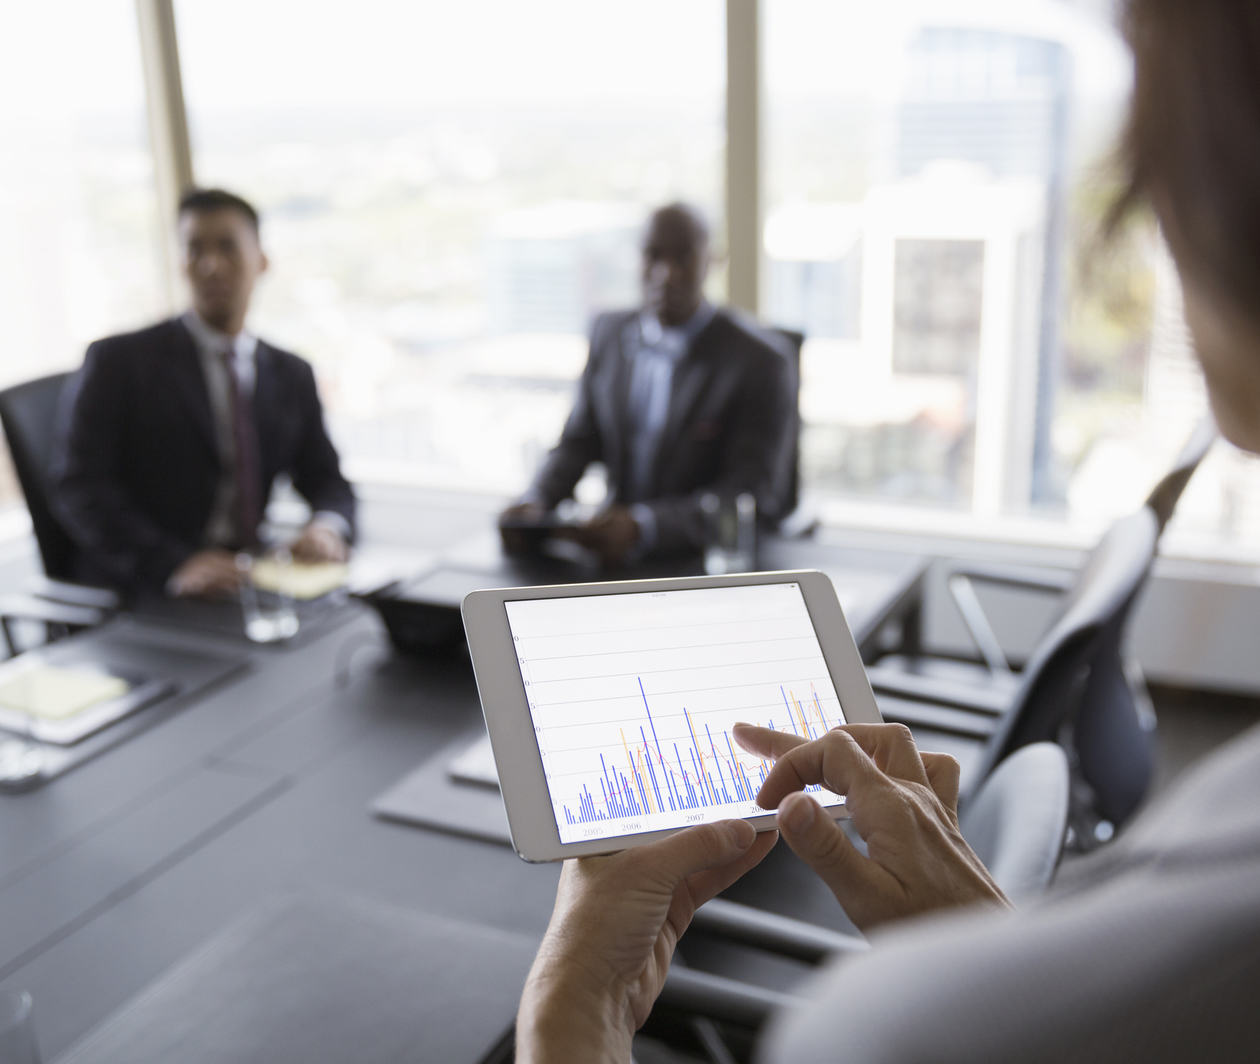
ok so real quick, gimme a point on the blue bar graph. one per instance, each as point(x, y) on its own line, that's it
point(707, 773)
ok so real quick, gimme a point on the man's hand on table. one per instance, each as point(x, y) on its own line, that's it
point(516, 540)
point(613, 534)
point(206, 573)
point(319, 542)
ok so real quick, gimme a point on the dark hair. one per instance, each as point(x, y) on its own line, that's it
point(691, 219)
point(1192, 144)
point(204, 200)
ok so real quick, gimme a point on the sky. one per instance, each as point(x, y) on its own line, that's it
point(410, 53)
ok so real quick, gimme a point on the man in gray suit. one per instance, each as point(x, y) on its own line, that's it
point(678, 398)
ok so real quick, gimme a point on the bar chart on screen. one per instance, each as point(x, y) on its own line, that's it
point(633, 698)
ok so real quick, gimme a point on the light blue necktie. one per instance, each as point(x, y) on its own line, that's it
point(651, 375)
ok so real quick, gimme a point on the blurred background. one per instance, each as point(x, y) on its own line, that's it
point(450, 192)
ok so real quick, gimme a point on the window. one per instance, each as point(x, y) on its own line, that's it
point(938, 286)
point(449, 194)
point(76, 189)
point(934, 197)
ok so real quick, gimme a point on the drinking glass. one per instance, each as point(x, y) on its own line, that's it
point(266, 607)
point(730, 533)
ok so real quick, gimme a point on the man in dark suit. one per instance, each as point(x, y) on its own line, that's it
point(170, 437)
point(678, 398)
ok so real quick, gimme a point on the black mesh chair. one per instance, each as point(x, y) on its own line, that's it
point(1164, 496)
point(28, 413)
point(1077, 688)
point(798, 521)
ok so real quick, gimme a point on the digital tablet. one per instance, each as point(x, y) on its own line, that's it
point(610, 705)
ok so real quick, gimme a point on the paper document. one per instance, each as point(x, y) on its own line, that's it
point(300, 580)
point(47, 692)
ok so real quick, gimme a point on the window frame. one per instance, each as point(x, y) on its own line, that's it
point(744, 184)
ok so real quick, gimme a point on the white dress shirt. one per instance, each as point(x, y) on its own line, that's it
point(211, 345)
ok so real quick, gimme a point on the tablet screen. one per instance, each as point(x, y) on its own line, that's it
point(633, 697)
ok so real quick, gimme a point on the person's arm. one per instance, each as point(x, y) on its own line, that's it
point(325, 538)
point(89, 493)
point(604, 958)
point(579, 444)
point(612, 935)
point(616, 534)
point(318, 479)
point(756, 459)
point(209, 572)
point(1153, 956)
point(903, 804)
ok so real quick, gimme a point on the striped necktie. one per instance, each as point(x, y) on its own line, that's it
point(246, 476)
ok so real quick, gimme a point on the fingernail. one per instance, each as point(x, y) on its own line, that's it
point(741, 833)
point(799, 813)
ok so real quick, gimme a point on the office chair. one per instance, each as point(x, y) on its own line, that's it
point(28, 413)
point(799, 521)
point(1165, 495)
point(790, 343)
point(1076, 688)
point(1016, 823)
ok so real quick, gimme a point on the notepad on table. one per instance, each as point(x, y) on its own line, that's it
point(63, 704)
point(50, 692)
point(300, 580)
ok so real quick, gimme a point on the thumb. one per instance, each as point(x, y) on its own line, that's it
point(705, 846)
point(943, 773)
point(822, 844)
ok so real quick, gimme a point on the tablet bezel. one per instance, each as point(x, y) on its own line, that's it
point(504, 704)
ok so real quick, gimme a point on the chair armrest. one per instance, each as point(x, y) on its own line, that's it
point(99, 598)
point(939, 718)
point(1025, 577)
point(784, 935)
point(939, 690)
point(960, 581)
point(29, 608)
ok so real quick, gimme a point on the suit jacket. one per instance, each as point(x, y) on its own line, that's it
point(137, 463)
point(730, 428)
point(1151, 952)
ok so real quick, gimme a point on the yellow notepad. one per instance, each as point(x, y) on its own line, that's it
point(47, 692)
point(300, 580)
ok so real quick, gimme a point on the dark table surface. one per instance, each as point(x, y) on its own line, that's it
point(262, 785)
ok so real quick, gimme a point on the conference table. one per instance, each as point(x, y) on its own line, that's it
point(253, 794)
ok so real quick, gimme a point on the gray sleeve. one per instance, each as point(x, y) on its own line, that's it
point(1160, 961)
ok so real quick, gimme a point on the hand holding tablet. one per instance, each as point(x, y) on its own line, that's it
point(610, 706)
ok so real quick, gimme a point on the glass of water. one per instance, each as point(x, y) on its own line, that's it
point(266, 605)
point(730, 533)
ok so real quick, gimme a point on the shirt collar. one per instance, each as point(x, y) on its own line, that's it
point(675, 338)
point(211, 342)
